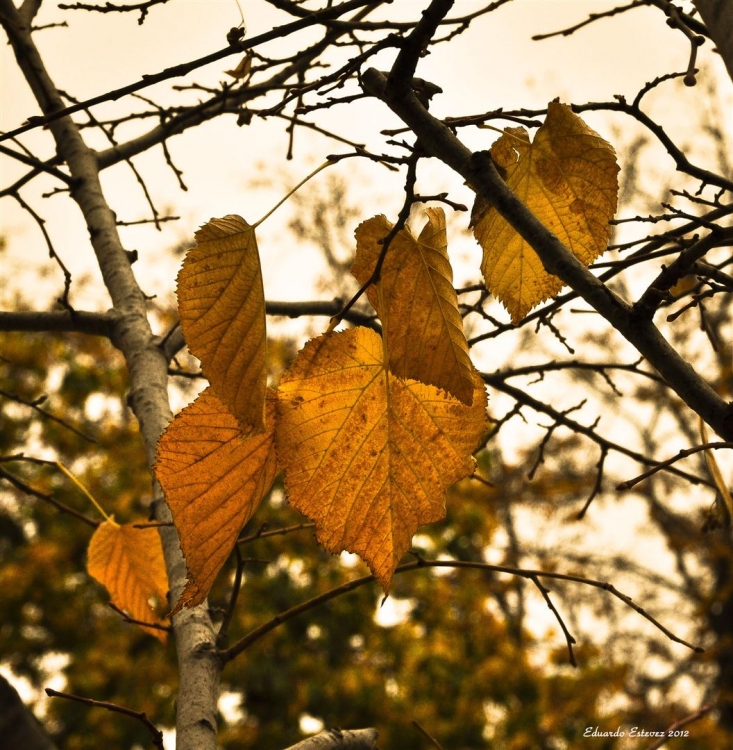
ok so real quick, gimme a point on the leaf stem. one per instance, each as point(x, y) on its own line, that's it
point(325, 164)
point(82, 488)
point(484, 126)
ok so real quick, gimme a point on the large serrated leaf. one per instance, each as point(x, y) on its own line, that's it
point(367, 455)
point(567, 177)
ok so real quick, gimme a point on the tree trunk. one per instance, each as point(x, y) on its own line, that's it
point(718, 17)
point(199, 664)
point(19, 728)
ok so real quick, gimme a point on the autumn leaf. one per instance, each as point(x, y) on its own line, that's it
point(417, 303)
point(129, 563)
point(214, 475)
point(221, 303)
point(367, 455)
point(567, 177)
point(243, 71)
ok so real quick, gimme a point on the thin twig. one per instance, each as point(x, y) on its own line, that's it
point(263, 532)
point(597, 486)
point(223, 636)
point(629, 483)
point(38, 165)
point(386, 242)
point(155, 734)
point(139, 623)
point(35, 405)
point(706, 709)
point(23, 487)
point(254, 635)
point(185, 68)
point(427, 735)
point(592, 17)
point(542, 408)
point(141, 7)
point(568, 637)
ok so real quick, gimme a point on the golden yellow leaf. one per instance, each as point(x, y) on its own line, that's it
point(367, 455)
point(129, 563)
point(417, 303)
point(214, 475)
point(244, 68)
point(568, 178)
point(221, 303)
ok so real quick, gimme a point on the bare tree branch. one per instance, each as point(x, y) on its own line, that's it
point(72, 321)
point(718, 18)
point(156, 735)
point(255, 635)
point(183, 69)
point(479, 171)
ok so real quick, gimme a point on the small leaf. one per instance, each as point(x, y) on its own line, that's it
point(568, 178)
point(221, 303)
point(366, 455)
point(417, 303)
point(243, 71)
point(717, 475)
point(129, 563)
point(214, 475)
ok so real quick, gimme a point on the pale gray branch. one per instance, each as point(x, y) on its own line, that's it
point(338, 739)
point(199, 666)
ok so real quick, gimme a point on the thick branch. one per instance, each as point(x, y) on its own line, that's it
point(199, 668)
point(718, 17)
point(95, 324)
point(478, 170)
point(337, 739)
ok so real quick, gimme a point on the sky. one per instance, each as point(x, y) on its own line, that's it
point(499, 66)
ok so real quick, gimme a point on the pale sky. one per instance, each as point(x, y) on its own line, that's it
point(494, 65)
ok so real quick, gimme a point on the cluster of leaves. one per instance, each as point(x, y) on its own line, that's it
point(335, 662)
point(369, 430)
point(366, 448)
point(450, 637)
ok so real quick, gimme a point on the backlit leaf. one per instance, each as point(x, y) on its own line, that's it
point(221, 303)
point(129, 563)
point(243, 71)
point(567, 177)
point(367, 455)
point(214, 475)
point(417, 303)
